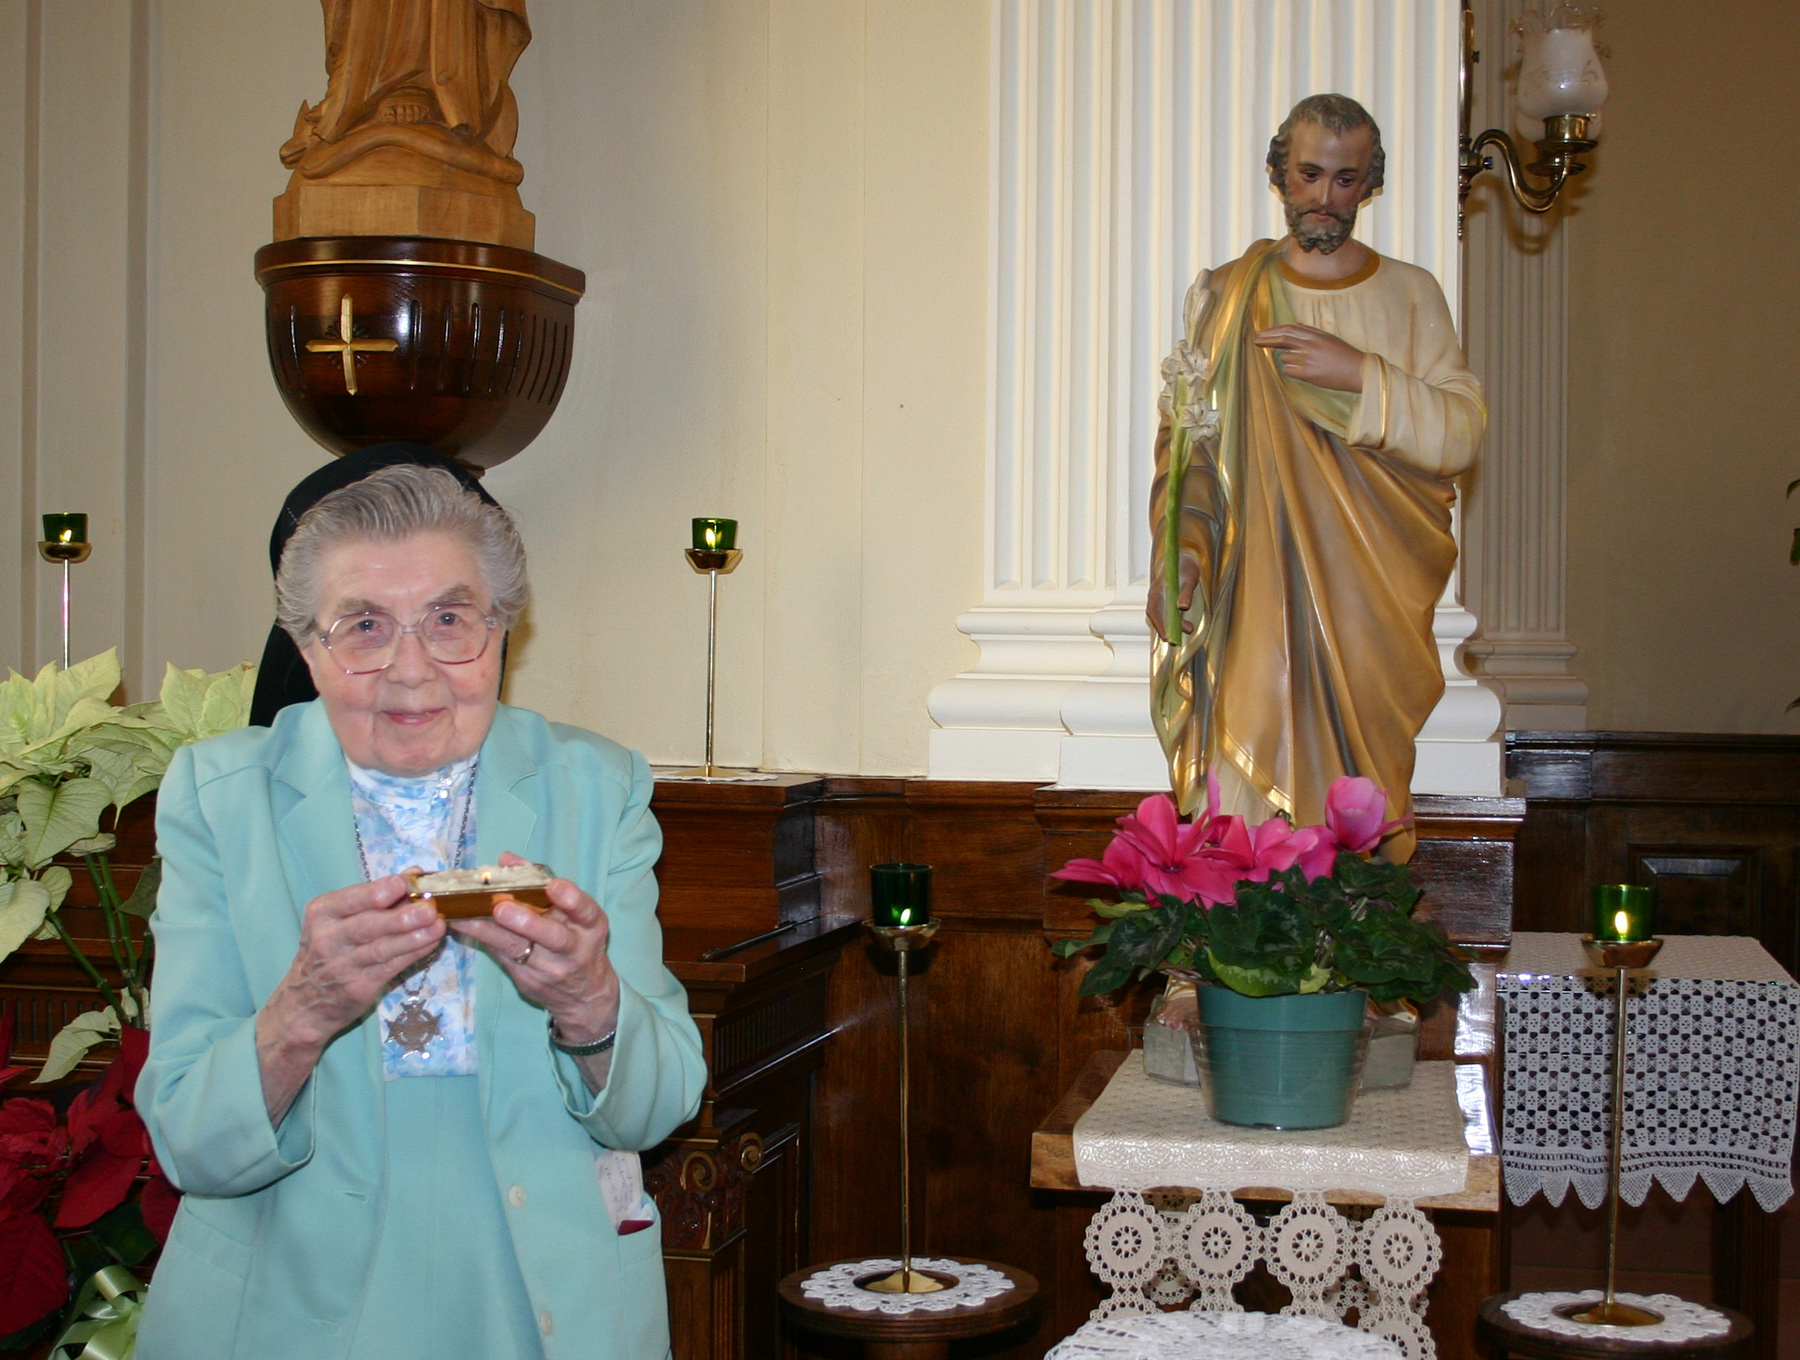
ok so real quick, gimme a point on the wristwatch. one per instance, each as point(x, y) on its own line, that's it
point(583, 1050)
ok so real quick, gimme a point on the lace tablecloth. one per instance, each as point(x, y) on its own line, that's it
point(1712, 1078)
point(1142, 1134)
point(1157, 1250)
point(1221, 1336)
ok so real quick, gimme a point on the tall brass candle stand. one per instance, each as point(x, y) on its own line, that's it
point(1619, 956)
point(903, 940)
point(713, 555)
point(901, 894)
point(65, 541)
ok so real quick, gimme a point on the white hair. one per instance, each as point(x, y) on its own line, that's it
point(389, 506)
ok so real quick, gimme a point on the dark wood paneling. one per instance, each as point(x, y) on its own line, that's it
point(1712, 820)
point(738, 857)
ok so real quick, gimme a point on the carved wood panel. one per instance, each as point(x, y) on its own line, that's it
point(1702, 889)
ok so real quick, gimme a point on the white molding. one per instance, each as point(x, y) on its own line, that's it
point(1517, 331)
point(1127, 155)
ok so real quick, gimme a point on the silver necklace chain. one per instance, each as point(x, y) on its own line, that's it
point(462, 845)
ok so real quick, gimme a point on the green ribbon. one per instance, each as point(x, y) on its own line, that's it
point(107, 1311)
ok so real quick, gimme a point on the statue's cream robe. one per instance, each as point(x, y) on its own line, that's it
point(1322, 522)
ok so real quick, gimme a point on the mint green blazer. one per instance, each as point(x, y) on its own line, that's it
point(270, 1253)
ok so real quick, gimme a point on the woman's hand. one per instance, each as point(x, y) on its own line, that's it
point(353, 943)
point(557, 960)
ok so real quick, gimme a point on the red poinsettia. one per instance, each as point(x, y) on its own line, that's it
point(62, 1173)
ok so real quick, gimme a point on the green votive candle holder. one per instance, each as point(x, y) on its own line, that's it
point(715, 535)
point(65, 528)
point(900, 893)
point(1624, 913)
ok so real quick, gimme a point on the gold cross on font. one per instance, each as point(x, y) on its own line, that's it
point(348, 346)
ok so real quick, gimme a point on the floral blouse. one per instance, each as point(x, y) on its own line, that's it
point(428, 1020)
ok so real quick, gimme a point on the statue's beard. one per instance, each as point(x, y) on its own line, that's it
point(1312, 233)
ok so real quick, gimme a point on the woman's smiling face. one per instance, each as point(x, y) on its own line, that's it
point(419, 714)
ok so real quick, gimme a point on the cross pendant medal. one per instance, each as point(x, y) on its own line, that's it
point(415, 1027)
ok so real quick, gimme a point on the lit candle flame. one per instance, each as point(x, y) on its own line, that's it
point(1622, 925)
point(487, 878)
point(66, 536)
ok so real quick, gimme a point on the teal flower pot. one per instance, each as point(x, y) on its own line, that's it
point(1280, 1062)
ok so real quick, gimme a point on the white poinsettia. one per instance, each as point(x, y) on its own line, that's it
point(67, 754)
point(1184, 392)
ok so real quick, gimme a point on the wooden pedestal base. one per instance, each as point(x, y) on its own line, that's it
point(1507, 1337)
point(911, 1336)
point(405, 210)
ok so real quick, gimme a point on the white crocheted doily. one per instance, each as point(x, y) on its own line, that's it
point(1221, 1336)
point(1682, 1320)
point(836, 1286)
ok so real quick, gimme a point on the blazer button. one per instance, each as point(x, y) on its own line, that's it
point(544, 1324)
point(516, 1198)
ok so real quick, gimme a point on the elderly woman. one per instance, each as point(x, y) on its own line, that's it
point(393, 1136)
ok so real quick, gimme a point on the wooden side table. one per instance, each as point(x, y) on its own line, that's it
point(1508, 1337)
point(911, 1336)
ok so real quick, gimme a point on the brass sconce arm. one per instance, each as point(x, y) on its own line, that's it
point(1559, 158)
point(1566, 139)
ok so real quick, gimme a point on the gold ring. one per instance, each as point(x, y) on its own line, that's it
point(522, 958)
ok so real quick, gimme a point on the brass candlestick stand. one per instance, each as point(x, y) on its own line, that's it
point(67, 552)
point(712, 563)
point(903, 940)
point(1619, 957)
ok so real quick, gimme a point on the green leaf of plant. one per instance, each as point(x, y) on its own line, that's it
point(1114, 910)
point(1108, 974)
point(73, 1040)
point(1253, 981)
point(197, 705)
point(23, 903)
point(122, 1232)
point(143, 897)
point(58, 816)
point(57, 881)
point(12, 836)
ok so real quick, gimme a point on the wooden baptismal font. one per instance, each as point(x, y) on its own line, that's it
point(404, 299)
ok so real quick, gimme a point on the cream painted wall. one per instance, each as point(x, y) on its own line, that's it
point(781, 206)
point(782, 209)
point(1682, 362)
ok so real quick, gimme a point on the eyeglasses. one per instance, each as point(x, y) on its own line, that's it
point(452, 635)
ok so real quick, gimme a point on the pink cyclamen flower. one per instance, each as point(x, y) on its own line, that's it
point(1155, 852)
point(1317, 851)
point(1354, 808)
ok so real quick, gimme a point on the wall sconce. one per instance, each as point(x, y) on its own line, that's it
point(1561, 82)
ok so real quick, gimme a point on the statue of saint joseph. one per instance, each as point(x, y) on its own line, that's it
point(1314, 416)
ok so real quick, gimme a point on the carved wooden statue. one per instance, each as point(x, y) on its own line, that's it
point(415, 133)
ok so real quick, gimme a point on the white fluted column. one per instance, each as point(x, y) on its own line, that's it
point(1517, 336)
point(1128, 146)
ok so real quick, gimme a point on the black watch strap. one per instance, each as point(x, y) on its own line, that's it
point(583, 1050)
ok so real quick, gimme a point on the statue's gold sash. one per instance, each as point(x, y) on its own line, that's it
point(1310, 653)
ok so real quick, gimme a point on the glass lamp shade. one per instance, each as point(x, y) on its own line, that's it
point(1560, 71)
